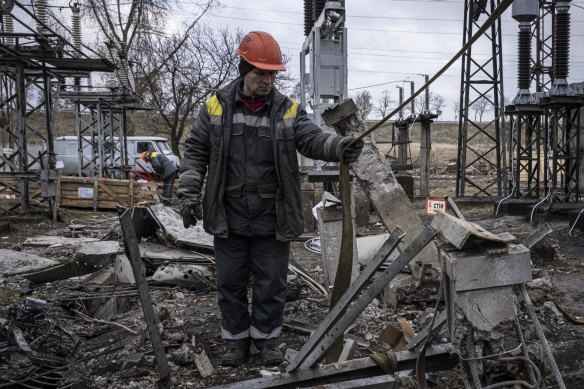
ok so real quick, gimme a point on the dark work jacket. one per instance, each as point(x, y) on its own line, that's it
point(206, 151)
point(163, 166)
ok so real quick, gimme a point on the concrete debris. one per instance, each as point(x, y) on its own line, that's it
point(16, 262)
point(462, 234)
point(190, 276)
point(204, 365)
point(172, 229)
point(90, 257)
point(55, 241)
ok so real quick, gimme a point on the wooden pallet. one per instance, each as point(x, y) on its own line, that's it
point(104, 193)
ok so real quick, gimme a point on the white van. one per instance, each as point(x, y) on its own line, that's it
point(65, 148)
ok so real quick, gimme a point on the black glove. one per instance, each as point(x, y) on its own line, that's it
point(190, 206)
point(352, 152)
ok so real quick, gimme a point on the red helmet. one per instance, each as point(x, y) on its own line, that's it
point(261, 50)
point(146, 156)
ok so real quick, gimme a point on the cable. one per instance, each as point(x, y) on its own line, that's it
point(488, 23)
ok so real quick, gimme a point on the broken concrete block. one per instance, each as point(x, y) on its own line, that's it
point(123, 270)
point(183, 274)
point(476, 269)
point(290, 355)
point(16, 262)
point(204, 365)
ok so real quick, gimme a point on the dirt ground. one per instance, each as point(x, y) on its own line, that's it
point(115, 351)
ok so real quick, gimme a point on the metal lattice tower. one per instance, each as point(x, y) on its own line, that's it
point(542, 32)
point(326, 48)
point(481, 145)
point(34, 63)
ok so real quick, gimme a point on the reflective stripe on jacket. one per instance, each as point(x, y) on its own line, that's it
point(206, 149)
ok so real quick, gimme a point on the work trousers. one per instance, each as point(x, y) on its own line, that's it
point(168, 185)
point(267, 259)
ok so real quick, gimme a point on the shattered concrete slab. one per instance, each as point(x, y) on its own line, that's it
point(91, 257)
point(173, 231)
point(16, 262)
point(55, 241)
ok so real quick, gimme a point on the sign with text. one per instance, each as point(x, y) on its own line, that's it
point(433, 205)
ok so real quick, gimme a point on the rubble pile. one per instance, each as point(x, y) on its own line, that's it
point(86, 328)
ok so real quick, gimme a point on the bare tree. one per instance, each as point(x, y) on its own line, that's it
point(480, 106)
point(177, 75)
point(384, 104)
point(436, 102)
point(456, 109)
point(364, 105)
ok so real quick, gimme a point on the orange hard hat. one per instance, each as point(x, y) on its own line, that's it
point(146, 156)
point(261, 50)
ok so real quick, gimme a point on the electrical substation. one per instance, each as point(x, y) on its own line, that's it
point(479, 296)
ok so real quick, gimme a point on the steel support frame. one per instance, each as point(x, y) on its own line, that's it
point(18, 85)
point(481, 83)
point(527, 143)
point(543, 32)
point(564, 127)
point(98, 123)
point(333, 58)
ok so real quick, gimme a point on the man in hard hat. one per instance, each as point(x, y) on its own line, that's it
point(166, 171)
point(245, 141)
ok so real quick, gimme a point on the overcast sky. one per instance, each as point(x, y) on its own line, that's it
point(395, 40)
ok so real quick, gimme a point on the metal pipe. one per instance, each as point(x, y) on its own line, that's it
point(548, 352)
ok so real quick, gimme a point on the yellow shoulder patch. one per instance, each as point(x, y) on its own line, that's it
point(293, 110)
point(214, 107)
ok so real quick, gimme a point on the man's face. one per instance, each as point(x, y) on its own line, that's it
point(259, 82)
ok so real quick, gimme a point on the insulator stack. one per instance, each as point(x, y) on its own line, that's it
point(318, 7)
point(41, 14)
point(561, 45)
point(308, 18)
point(76, 21)
point(524, 58)
point(8, 29)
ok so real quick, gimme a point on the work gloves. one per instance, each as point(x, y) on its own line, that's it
point(190, 206)
point(352, 153)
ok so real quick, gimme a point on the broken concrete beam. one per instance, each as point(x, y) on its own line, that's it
point(378, 181)
point(462, 234)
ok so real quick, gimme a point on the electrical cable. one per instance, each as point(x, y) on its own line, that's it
point(503, 5)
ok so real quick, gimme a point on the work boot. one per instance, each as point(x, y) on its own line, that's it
point(234, 356)
point(271, 355)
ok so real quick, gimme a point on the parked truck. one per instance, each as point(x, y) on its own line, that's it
point(67, 156)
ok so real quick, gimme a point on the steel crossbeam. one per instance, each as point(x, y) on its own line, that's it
point(341, 316)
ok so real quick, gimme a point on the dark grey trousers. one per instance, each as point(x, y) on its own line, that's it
point(267, 259)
